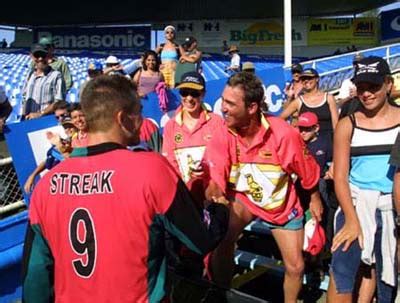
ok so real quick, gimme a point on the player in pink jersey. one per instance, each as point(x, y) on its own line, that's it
point(97, 221)
point(253, 166)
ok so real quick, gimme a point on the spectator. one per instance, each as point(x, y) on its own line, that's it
point(57, 63)
point(294, 88)
point(79, 120)
point(314, 100)
point(149, 75)
point(364, 244)
point(5, 108)
point(43, 86)
point(251, 161)
point(225, 47)
point(113, 66)
point(348, 90)
point(190, 60)
point(235, 59)
point(109, 227)
point(94, 70)
point(61, 110)
point(4, 43)
point(169, 53)
point(248, 67)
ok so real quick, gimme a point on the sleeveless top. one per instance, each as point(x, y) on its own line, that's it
point(321, 110)
point(147, 84)
point(369, 153)
point(169, 55)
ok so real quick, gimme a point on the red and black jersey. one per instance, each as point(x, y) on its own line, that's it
point(97, 225)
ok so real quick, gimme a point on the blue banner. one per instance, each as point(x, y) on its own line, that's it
point(28, 145)
point(390, 25)
point(134, 37)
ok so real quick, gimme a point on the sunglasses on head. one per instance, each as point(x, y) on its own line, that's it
point(306, 129)
point(192, 92)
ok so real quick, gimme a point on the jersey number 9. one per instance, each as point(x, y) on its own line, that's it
point(84, 246)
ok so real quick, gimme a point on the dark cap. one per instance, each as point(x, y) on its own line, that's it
point(372, 70)
point(46, 41)
point(297, 68)
point(189, 41)
point(309, 72)
point(192, 80)
point(39, 48)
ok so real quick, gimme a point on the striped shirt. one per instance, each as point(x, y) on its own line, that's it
point(42, 90)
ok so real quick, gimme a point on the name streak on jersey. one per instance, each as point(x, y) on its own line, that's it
point(82, 184)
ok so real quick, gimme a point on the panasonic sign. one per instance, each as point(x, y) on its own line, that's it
point(98, 38)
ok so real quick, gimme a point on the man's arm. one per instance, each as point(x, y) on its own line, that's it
point(395, 161)
point(67, 76)
point(38, 262)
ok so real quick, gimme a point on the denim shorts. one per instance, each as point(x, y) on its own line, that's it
point(294, 224)
point(345, 265)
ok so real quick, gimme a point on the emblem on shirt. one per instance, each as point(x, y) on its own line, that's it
point(265, 154)
point(207, 137)
point(255, 190)
point(178, 138)
point(189, 160)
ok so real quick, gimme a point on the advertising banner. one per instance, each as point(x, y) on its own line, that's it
point(342, 31)
point(133, 37)
point(390, 25)
point(212, 33)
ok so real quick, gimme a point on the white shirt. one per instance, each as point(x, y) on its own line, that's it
point(235, 61)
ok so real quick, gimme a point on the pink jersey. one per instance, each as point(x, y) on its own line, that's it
point(262, 175)
point(97, 223)
point(185, 148)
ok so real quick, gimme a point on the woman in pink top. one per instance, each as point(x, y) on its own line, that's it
point(78, 119)
point(149, 75)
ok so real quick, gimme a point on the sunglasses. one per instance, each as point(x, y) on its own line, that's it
point(169, 32)
point(192, 92)
point(306, 129)
point(307, 78)
point(62, 116)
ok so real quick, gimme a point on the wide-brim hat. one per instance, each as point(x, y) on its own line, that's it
point(233, 48)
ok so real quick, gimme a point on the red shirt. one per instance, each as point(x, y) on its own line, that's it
point(97, 225)
point(185, 148)
point(262, 175)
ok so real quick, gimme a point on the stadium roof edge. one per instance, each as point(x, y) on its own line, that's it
point(91, 12)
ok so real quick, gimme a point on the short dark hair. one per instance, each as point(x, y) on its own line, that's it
point(104, 96)
point(74, 107)
point(61, 104)
point(250, 84)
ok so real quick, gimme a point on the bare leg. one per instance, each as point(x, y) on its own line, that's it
point(368, 285)
point(333, 296)
point(222, 264)
point(290, 243)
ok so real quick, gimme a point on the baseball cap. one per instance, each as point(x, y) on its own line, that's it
point(372, 70)
point(248, 66)
point(189, 41)
point(192, 80)
point(38, 48)
point(309, 72)
point(169, 27)
point(95, 66)
point(297, 68)
point(307, 119)
point(112, 60)
point(314, 236)
point(67, 122)
point(46, 41)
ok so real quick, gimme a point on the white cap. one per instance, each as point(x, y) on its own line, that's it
point(112, 60)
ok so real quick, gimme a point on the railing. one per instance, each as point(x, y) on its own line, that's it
point(11, 199)
point(334, 70)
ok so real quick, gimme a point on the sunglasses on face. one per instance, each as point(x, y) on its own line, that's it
point(306, 129)
point(169, 32)
point(192, 92)
point(307, 78)
point(61, 117)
